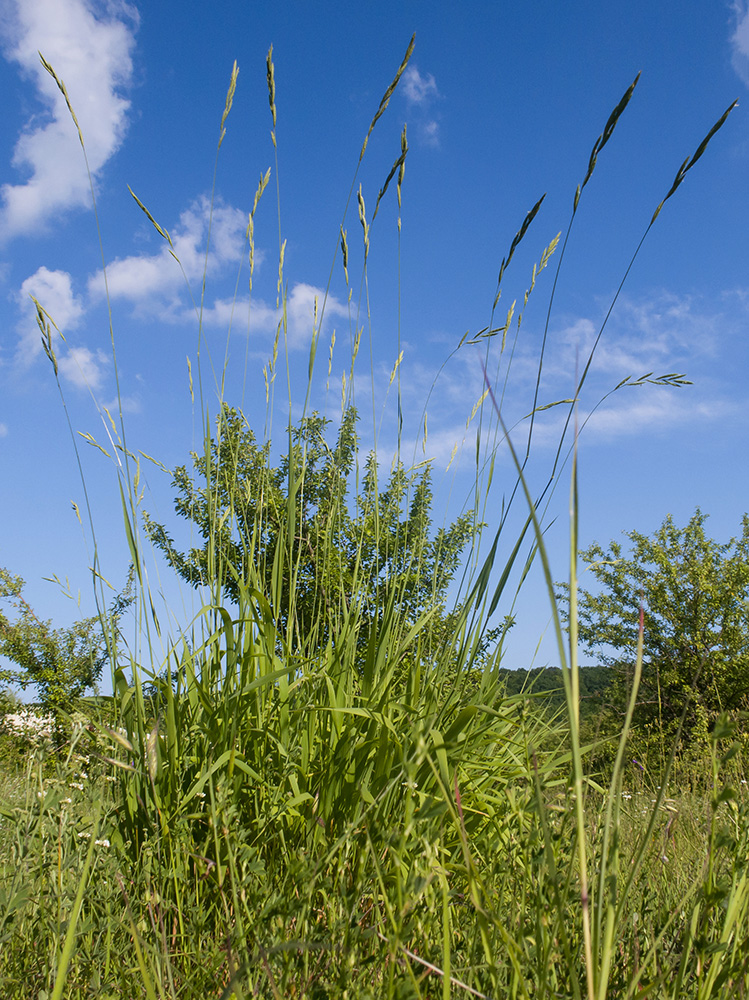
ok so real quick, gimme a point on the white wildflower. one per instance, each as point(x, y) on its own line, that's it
point(26, 724)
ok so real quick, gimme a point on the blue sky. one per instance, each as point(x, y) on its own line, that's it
point(502, 104)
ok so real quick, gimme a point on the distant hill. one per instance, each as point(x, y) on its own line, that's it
point(594, 685)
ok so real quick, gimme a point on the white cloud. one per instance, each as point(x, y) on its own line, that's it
point(418, 89)
point(128, 404)
point(740, 40)
point(54, 292)
point(264, 319)
point(3, 430)
point(90, 49)
point(83, 368)
point(646, 411)
point(155, 282)
point(420, 92)
point(657, 411)
point(660, 332)
point(430, 133)
point(300, 309)
point(448, 395)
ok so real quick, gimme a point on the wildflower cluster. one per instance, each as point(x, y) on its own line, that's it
point(31, 729)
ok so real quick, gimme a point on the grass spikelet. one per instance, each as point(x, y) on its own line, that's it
point(63, 90)
point(517, 239)
point(229, 101)
point(45, 323)
point(271, 78)
point(363, 221)
point(604, 137)
point(344, 253)
point(388, 94)
point(690, 161)
point(161, 231)
point(396, 366)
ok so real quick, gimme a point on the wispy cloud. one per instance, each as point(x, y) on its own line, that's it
point(128, 404)
point(652, 410)
point(90, 47)
point(659, 332)
point(155, 283)
point(740, 39)
point(3, 430)
point(420, 93)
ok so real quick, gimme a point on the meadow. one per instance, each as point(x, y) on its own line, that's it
point(324, 788)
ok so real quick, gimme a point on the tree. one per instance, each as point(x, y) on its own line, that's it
point(292, 532)
point(695, 594)
point(63, 663)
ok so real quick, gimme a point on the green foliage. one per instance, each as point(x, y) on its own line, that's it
point(695, 592)
point(292, 531)
point(478, 880)
point(62, 663)
point(8, 701)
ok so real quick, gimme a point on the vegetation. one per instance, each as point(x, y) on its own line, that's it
point(695, 644)
point(375, 555)
point(332, 797)
point(546, 684)
point(61, 663)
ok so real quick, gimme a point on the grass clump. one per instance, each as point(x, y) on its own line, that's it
point(322, 788)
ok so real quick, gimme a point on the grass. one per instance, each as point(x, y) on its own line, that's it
point(356, 808)
point(492, 900)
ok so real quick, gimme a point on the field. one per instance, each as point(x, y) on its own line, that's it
point(324, 788)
